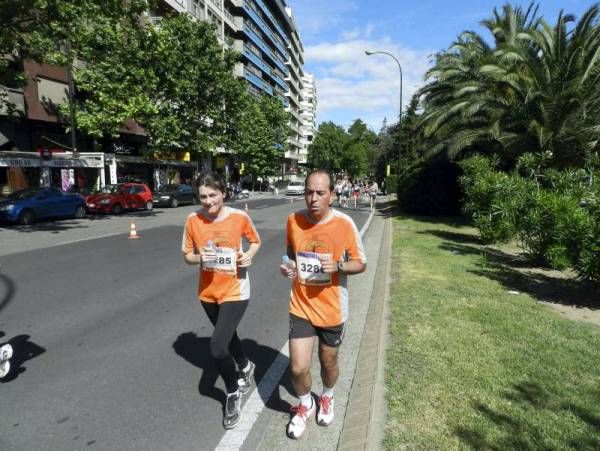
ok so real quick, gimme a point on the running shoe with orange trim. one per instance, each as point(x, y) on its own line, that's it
point(325, 413)
point(297, 424)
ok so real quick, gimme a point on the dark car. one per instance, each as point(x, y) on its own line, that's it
point(116, 198)
point(27, 205)
point(174, 195)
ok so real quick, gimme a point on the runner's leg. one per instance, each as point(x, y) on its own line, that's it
point(226, 317)
point(328, 357)
point(300, 359)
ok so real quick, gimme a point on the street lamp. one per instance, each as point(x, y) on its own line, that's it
point(368, 53)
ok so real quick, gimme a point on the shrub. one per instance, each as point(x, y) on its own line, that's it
point(553, 228)
point(588, 263)
point(493, 199)
point(391, 184)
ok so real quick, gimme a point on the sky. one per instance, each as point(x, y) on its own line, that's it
point(352, 85)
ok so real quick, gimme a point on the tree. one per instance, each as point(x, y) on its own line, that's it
point(359, 149)
point(259, 134)
point(190, 69)
point(537, 89)
point(38, 29)
point(327, 149)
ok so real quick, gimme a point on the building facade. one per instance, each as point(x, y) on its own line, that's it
point(262, 31)
point(308, 113)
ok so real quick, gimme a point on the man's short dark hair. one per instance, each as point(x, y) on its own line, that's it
point(321, 171)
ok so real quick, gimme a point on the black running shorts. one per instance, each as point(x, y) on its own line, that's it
point(302, 328)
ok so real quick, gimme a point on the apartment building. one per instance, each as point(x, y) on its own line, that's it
point(262, 31)
point(308, 113)
point(265, 34)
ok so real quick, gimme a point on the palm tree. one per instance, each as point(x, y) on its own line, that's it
point(536, 89)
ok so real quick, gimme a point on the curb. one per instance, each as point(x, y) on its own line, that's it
point(364, 423)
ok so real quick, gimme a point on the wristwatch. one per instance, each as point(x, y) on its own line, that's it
point(340, 266)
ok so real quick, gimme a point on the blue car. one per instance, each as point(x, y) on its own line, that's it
point(27, 205)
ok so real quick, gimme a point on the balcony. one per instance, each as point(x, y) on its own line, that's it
point(268, 13)
point(218, 4)
point(256, 60)
point(265, 29)
point(230, 19)
point(257, 81)
point(266, 50)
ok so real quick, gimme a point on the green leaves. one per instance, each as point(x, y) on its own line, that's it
point(534, 73)
point(174, 80)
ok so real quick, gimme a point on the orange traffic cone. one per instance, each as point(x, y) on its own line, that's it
point(132, 233)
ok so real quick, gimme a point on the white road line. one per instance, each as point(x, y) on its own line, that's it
point(233, 439)
point(94, 237)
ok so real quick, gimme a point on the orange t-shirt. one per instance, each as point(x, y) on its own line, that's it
point(319, 297)
point(221, 281)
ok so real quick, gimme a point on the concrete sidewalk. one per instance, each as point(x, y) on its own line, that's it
point(359, 408)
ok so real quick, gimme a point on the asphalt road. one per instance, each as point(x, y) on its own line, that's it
point(111, 344)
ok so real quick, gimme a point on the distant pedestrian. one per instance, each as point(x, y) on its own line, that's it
point(355, 193)
point(345, 193)
point(338, 192)
point(212, 238)
point(373, 189)
point(324, 247)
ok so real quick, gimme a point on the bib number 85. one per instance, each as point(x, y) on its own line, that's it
point(224, 260)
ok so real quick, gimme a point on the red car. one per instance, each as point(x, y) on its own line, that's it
point(116, 198)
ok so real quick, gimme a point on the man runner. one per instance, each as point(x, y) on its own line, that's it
point(324, 247)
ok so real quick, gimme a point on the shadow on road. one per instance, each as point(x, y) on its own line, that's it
point(7, 291)
point(196, 350)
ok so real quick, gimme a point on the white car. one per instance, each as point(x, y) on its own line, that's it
point(295, 188)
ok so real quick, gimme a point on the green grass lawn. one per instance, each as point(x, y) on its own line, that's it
point(471, 366)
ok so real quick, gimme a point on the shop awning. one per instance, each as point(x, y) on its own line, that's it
point(33, 160)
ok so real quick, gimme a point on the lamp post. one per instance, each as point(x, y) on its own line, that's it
point(368, 53)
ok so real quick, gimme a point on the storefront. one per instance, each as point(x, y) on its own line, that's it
point(155, 173)
point(20, 170)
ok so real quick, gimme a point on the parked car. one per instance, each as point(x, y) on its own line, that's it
point(174, 195)
point(295, 188)
point(27, 205)
point(117, 198)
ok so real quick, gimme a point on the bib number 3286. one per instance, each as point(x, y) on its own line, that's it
point(310, 271)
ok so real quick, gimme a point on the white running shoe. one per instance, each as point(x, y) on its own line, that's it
point(245, 380)
point(6, 352)
point(325, 413)
point(4, 368)
point(232, 414)
point(297, 424)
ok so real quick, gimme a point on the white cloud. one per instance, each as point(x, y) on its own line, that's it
point(353, 85)
point(316, 16)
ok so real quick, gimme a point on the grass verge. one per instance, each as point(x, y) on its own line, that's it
point(472, 366)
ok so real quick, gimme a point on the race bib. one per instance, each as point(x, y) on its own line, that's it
point(225, 262)
point(309, 268)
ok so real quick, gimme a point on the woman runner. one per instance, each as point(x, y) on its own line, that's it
point(212, 238)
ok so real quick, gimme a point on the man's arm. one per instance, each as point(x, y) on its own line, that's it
point(352, 267)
